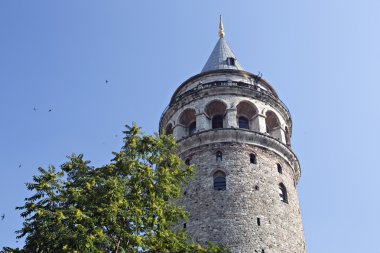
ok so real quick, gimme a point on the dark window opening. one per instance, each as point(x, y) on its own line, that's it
point(192, 128)
point(230, 61)
point(279, 168)
point(184, 225)
point(262, 251)
point(252, 158)
point(283, 193)
point(169, 129)
point(243, 122)
point(219, 156)
point(217, 121)
point(258, 222)
point(256, 187)
point(219, 181)
point(187, 162)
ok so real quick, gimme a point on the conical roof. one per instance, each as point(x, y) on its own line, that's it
point(220, 58)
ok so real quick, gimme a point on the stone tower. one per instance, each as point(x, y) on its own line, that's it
point(233, 127)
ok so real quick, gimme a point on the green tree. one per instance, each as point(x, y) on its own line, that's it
point(125, 206)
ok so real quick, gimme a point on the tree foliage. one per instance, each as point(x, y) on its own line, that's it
point(125, 206)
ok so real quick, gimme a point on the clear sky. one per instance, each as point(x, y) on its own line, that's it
point(322, 57)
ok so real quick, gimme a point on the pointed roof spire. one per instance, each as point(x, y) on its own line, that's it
point(222, 56)
point(221, 29)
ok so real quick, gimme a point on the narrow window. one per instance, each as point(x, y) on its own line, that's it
point(217, 121)
point(258, 222)
point(192, 128)
point(230, 61)
point(262, 251)
point(283, 193)
point(184, 225)
point(187, 162)
point(243, 122)
point(219, 181)
point(252, 158)
point(279, 168)
point(219, 156)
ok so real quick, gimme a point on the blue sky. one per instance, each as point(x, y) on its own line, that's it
point(322, 57)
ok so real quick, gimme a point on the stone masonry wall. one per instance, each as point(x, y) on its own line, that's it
point(230, 217)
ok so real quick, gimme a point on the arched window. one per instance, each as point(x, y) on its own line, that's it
point(243, 122)
point(215, 111)
point(217, 121)
point(169, 129)
point(219, 181)
point(252, 158)
point(219, 156)
point(188, 121)
point(279, 168)
point(283, 193)
point(272, 122)
point(192, 128)
point(245, 112)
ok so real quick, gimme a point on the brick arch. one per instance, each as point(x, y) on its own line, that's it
point(246, 109)
point(215, 107)
point(187, 117)
point(222, 169)
point(271, 120)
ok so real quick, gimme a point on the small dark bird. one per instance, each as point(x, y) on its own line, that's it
point(107, 81)
point(34, 109)
point(19, 165)
point(49, 110)
point(3, 217)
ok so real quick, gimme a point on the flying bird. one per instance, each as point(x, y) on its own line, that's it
point(107, 81)
point(3, 217)
point(19, 165)
point(34, 109)
point(49, 110)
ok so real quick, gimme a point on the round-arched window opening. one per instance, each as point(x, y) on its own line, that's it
point(169, 129)
point(220, 181)
point(188, 121)
point(219, 156)
point(217, 121)
point(192, 128)
point(243, 122)
point(283, 193)
point(279, 168)
point(271, 121)
point(252, 158)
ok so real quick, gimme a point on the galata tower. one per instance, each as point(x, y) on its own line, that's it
point(233, 127)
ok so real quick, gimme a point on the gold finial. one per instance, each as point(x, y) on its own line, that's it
point(221, 30)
